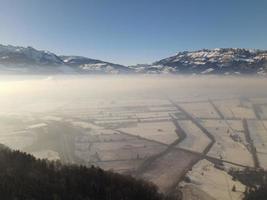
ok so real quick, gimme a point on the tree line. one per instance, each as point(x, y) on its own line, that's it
point(24, 177)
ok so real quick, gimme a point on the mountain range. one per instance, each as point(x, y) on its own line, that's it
point(223, 61)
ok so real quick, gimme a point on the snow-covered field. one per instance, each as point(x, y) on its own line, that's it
point(233, 108)
point(230, 142)
point(200, 110)
point(113, 147)
point(46, 154)
point(17, 140)
point(215, 182)
point(258, 133)
point(163, 132)
point(195, 139)
point(121, 166)
point(125, 123)
point(263, 112)
point(166, 170)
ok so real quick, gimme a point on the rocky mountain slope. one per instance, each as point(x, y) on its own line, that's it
point(216, 61)
point(221, 61)
point(29, 60)
point(88, 65)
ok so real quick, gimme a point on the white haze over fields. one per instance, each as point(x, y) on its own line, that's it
point(48, 93)
point(118, 122)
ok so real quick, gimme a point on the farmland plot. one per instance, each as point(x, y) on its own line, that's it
point(234, 109)
point(236, 125)
point(230, 143)
point(166, 170)
point(263, 113)
point(195, 139)
point(243, 112)
point(259, 100)
point(46, 154)
point(215, 182)
point(18, 140)
point(225, 107)
point(258, 134)
point(113, 147)
point(115, 122)
point(17, 133)
point(200, 110)
point(191, 192)
point(163, 132)
point(126, 150)
point(166, 108)
point(154, 115)
point(120, 166)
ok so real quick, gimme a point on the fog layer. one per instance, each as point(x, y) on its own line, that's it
point(39, 94)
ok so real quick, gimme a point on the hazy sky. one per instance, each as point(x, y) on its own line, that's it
point(132, 31)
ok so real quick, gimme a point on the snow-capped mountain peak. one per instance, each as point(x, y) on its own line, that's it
point(205, 61)
point(29, 60)
point(217, 61)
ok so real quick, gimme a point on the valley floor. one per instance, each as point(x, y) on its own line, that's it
point(186, 143)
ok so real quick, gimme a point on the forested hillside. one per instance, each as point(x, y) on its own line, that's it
point(24, 177)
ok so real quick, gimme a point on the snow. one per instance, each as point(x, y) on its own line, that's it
point(207, 71)
point(195, 139)
point(46, 154)
point(215, 182)
point(203, 58)
point(230, 143)
point(40, 125)
point(258, 134)
point(225, 57)
point(163, 132)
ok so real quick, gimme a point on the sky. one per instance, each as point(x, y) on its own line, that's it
point(132, 31)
